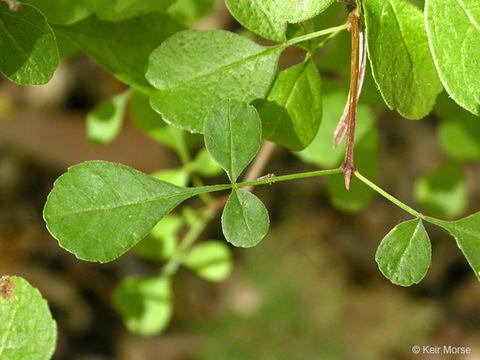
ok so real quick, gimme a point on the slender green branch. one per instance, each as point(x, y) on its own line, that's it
point(314, 35)
point(326, 40)
point(273, 179)
point(386, 195)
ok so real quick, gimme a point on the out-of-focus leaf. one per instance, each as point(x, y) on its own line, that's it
point(205, 165)
point(27, 329)
point(444, 191)
point(292, 111)
point(245, 219)
point(189, 11)
point(161, 243)
point(145, 305)
point(29, 54)
point(62, 12)
point(405, 253)
point(459, 135)
point(122, 47)
point(211, 260)
point(116, 10)
point(177, 177)
point(105, 121)
point(195, 70)
point(233, 133)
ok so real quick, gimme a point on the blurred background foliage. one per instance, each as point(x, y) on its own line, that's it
point(311, 289)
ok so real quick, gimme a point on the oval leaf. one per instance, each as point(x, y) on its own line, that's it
point(105, 121)
point(454, 34)
point(29, 54)
point(269, 18)
point(27, 329)
point(233, 133)
point(244, 220)
point(99, 210)
point(404, 254)
point(211, 260)
point(398, 49)
point(194, 70)
point(122, 47)
point(466, 232)
point(444, 191)
point(292, 112)
point(145, 304)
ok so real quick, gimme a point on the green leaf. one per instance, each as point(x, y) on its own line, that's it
point(292, 111)
point(27, 330)
point(444, 191)
point(245, 219)
point(269, 18)
point(62, 12)
point(99, 210)
point(404, 254)
point(189, 11)
point(145, 305)
point(194, 70)
point(152, 124)
point(454, 34)
point(105, 121)
point(321, 152)
point(466, 232)
point(233, 133)
point(211, 260)
point(116, 10)
point(29, 54)
point(459, 135)
point(122, 47)
point(205, 165)
point(401, 62)
point(367, 161)
point(179, 177)
point(161, 243)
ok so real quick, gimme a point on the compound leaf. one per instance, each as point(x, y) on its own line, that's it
point(292, 111)
point(194, 70)
point(233, 133)
point(404, 254)
point(29, 54)
point(27, 329)
point(398, 49)
point(122, 47)
point(99, 210)
point(245, 219)
point(211, 260)
point(454, 34)
point(116, 10)
point(145, 305)
point(105, 121)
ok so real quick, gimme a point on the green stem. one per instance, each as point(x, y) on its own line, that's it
point(314, 35)
point(387, 196)
point(326, 40)
point(274, 179)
